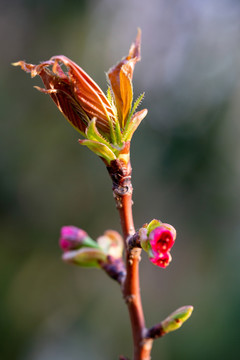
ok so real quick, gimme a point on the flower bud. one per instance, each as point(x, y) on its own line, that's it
point(157, 239)
point(85, 256)
point(111, 242)
point(72, 238)
point(175, 320)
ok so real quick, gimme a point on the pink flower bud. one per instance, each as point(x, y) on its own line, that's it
point(162, 239)
point(71, 238)
point(157, 239)
point(161, 260)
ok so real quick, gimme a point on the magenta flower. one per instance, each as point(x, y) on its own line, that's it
point(157, 239)
point(161, 260)
point(71, 238)
point(162, 238)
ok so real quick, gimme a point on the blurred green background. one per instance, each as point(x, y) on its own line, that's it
point(186, 172)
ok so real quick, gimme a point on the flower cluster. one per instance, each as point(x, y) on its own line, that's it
point(78, 248)
point(157, 239)
point(106, 122)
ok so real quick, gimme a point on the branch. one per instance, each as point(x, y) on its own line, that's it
point(122, 191)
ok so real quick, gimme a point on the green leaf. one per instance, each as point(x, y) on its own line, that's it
point(134, 108)
point(118, 133)
point(112, 132)
point(100, 149)
point(109, 95)
point(92, 133)
point(133, 125)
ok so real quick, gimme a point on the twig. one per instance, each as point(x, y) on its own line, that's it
point(122, 191)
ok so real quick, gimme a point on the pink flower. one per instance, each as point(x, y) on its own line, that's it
point(157, 239)
point(71, 238)
point(161, 260)
point(162, 239)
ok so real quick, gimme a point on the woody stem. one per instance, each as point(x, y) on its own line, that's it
point(122, 191)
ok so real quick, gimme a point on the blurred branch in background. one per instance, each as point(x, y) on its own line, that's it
point(191, 77)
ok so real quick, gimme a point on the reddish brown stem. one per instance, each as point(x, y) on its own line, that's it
point(131, 289)
point(122, 190)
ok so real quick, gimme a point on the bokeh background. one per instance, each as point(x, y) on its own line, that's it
point(186, 172)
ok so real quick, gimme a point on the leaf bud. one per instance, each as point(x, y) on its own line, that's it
point(88, 257)
point(175, 320)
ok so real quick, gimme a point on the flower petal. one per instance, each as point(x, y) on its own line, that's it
point(162, 260)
